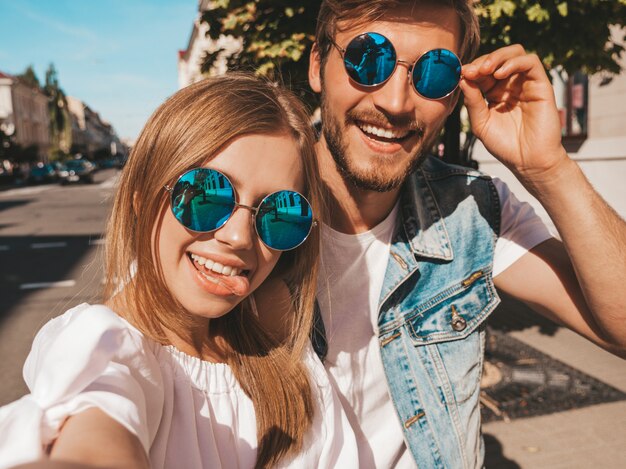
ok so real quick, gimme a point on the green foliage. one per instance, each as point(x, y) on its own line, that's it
point(573, 34)
point(58, 114)
point(58, 155)
point(276, 37)
point(29, 78)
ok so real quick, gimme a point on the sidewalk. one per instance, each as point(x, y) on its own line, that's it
point(588, 437)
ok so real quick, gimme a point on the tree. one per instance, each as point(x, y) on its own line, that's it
point(29, 78)
point(569, 35)
point(276, 37)
point(60, 125)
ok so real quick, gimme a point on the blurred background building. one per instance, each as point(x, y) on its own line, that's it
point(91, 135)
point(24, 115)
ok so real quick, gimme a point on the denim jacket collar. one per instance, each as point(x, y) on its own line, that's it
point(423, 224)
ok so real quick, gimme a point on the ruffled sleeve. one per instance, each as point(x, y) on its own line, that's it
point(88, 357)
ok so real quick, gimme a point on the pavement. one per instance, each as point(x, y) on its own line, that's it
point(592, 436)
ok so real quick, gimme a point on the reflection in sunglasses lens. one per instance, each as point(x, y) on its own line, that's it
point(370, 59)
point(437, 73)
point(203, 199)
point(284, 220)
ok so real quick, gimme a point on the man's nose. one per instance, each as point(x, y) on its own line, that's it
point(395, 96)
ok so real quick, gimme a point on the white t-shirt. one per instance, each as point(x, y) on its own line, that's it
point(351, 278)
point(186, 412)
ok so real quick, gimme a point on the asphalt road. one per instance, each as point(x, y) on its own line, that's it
point(50, 260)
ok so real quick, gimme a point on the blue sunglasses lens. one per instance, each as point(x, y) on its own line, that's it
point(203, 199)
point(370, 59)
point(284, 220)
point(437, 73)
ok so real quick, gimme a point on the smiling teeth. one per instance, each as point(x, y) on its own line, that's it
point(216, 267)
point(385, 133)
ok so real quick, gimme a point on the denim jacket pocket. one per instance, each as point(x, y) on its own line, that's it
point(454, 313)
point(447, 326)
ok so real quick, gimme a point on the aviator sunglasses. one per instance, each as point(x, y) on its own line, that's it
point(203, 199)
point(370, 59)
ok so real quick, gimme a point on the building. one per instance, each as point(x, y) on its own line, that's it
point(24, 115)
point(91, 135)
point(593, 121)
point(190, 59)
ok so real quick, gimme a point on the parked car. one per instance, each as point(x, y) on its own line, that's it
point(77, 171)
point(116, 161)
point(43, 172)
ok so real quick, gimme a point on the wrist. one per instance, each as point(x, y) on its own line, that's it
point(559, 177)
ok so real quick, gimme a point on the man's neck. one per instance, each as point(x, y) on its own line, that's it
point(352, 210)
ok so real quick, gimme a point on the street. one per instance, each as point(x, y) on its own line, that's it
point(50, 260)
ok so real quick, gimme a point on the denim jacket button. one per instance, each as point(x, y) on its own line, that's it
point(458, 323)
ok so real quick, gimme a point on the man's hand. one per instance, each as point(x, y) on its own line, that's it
point(512, 110)
point(581, 282)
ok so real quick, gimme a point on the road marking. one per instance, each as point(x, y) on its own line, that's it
point(60, 244)
point(4, 247)
point(96, 242)
point(25, 191)
point(61, 284)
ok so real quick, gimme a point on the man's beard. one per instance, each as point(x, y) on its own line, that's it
point(370, 179)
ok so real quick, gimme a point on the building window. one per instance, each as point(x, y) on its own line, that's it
point(572, 100)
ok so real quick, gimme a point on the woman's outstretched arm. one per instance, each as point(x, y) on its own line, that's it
point(93, 438)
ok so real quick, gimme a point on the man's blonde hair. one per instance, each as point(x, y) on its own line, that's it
point(335, 14)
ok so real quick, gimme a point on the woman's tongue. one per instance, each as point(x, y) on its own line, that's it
point(236, 284)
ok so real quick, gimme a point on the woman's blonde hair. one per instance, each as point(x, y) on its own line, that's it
point(185, 132)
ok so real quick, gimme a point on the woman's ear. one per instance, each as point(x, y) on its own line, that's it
point(315, 68)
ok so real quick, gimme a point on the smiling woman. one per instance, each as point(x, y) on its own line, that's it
point(200, 356)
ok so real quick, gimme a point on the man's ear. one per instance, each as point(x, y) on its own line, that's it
point(454, 100)
point(315, 68)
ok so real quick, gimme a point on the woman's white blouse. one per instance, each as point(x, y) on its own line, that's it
point(186, 412)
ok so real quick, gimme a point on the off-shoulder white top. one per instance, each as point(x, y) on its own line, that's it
point(186, 412)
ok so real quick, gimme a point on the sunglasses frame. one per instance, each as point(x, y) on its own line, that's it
point(254, 210)
point(410, 66)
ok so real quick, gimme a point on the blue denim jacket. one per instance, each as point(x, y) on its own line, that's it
point(438, 291)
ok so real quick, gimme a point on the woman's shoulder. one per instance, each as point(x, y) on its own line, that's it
point(86, 357)
point(86, 317)
point(84, 337)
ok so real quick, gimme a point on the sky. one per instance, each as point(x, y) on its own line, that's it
point(117, 56)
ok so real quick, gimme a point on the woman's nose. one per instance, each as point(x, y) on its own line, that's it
point(238, 231)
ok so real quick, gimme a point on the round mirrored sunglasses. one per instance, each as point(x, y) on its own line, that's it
point(370, 60)
point(203, 199)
